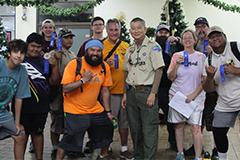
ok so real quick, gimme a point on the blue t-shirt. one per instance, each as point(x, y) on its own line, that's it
point(12, 83)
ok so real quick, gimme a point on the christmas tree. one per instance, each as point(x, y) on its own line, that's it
point(173, 16)
point(124, 36)
point(3, 41)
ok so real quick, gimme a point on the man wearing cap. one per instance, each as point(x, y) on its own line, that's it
point(63, 57)
point(113, 54)
point(162, 35)
point(223, 64)
point(97, 25)
point(80, 92)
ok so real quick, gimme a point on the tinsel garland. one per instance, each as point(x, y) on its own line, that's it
point(69, 11)
point(222, 5)
point(27, 2)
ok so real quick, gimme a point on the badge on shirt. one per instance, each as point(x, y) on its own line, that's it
point(157, 48)
point(144, 54)
point(231, 62)
point(131, 50)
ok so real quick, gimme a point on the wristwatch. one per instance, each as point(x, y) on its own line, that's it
point(82, 81)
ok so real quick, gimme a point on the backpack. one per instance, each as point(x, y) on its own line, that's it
point(234, 49)
point(79, 67)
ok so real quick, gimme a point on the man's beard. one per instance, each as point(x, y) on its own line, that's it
point(161, 40)
point(201, 34)
point(91, 62)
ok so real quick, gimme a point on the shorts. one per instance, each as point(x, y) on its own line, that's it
point(57, 124)
point(98, 126)
point(176, 117)
point(34, 122)
point(8, 129)
point(118, 110)
point(224, 119)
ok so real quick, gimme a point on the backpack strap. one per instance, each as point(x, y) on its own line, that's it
point(113, 50)
point(235, 50)
point(209, 59)
point(103, 69)
point(79, 66)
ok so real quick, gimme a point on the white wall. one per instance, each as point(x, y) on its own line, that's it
point(24, 28)
point(150, 11)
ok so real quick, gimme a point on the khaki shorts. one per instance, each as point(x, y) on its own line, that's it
point(57, 124)
point(118, 110)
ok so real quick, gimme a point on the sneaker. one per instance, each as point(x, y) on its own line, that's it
point(191, 152)
point(106, 157)
point(214, 154)
point(75, 154)
point(54, 153)
point(89, 147)
point(31, 148)
point(180, 156)
point(126, 155)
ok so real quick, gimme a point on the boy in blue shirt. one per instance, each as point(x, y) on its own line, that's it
point(13, 82)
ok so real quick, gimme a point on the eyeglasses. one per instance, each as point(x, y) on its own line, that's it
point(215, 35)
point(95, 25)
point(185, 38)
point(201, 26)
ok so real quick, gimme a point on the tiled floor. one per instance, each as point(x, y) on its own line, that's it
point(163, 153)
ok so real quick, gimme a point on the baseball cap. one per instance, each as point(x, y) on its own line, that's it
point(201, 20)
point(93, 43)
point(163, 26)
point(48, 21)
point(65, 32)
point(214, 29)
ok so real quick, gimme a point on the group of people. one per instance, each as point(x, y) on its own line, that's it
point(111, 80)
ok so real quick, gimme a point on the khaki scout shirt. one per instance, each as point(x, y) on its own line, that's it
point(141, 63)
point(67, 56)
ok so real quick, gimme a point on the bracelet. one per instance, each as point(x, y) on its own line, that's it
point(108, 111)
point(82, 81)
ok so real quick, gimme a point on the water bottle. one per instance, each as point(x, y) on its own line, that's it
point(115, 123)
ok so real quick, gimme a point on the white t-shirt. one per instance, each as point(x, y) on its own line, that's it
point(228, 91)
point(189, 78)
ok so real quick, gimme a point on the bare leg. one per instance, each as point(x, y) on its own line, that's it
point(123, 135)
point(104, 151)
point(38, 145)
point(54, 138)
point(61, 154)
point(20, 143)
point(179, 131)
point(197, 139)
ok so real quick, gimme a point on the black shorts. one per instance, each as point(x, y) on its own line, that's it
point(33, 122)
point(99, 127)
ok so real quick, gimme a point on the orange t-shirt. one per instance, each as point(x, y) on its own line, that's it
point(117, 74)
point(77, 102)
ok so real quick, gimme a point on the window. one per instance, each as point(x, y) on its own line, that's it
point(7, 13)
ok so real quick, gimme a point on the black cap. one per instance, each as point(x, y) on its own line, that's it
point(65, 32)
point(201, 20)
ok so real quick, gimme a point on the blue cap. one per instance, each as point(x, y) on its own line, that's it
point(93, 43)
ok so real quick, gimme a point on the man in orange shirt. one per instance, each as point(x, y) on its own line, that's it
point(82, 110)
point(113, 54)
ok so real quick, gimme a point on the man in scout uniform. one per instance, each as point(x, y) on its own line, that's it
point(63, 56)
point(114, 53)
point(143, 64)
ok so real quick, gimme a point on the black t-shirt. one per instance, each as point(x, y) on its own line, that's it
point(39, 86)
